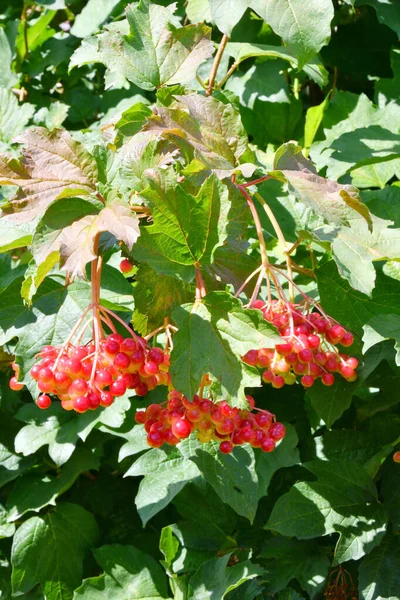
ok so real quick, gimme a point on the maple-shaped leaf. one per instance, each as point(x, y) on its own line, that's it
point(77, 242)
point(154, 52)
point(334, 202)
point(52, 161)
point(355, 249)
point(212, 130)
point(186, 228)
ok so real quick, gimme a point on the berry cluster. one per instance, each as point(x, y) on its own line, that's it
point(308, 347)
point(178, 417)
point(83, 378)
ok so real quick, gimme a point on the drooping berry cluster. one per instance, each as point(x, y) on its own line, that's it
point(84, 379)
point(308, 347)
point(178, 417)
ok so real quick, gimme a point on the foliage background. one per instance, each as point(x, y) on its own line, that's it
point(87, 510)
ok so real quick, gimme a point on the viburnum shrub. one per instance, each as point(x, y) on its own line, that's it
point(199, 300)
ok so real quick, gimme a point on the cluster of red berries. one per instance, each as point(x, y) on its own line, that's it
point(175, 420)
point(84, 379)
point(308, 347)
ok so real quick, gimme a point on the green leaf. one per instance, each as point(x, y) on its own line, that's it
point(212, 129)
point(7, 77)
point(6, 529)
point(233, 476)
point(348, 113)
point(165, 476)
point(156, 296)
point(241, 51)
point(227, 14)
point(168, 545)
point(15, 235)
point(90, 19)
point(132, 120)
point(60, 430)
point(390, 485)
point(363, 146)
point(313, 121)
point(358, 446)
point(387, 13)
point(155, 52)
point(126, 570)
point(304, 28)
point(355, 249)
point(331, 402)
point(69, 531)
point(214, 579)
point(342, 500)
point(34, 491)
point(186, 228)
point(379, 572)
point(14, 117)
point(289, 559)
point(285, 454)
point(213, 335)
point(380, 328)
point(351, 308)
point(51, 117)
point(52, 163)
point(12, 465)
point(35, 275)
point(36, 34)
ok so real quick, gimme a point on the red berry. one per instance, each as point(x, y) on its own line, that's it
point(251, 358)
point(46, 387)
point(346, 371)
point(170, 438)
point(103, 377)
point(15, 385)
point(77, 388)
point(35, 372)
point(73, 367)
point(126, 266)
point(106, 398)
point(307, 381)
point(328, 379)
point(156, 355)
point(122, 361)
point(313, 341)
point(263, 419)
point(352, 362)
point(94, 400)
point(347, 340)
point(305, 355)
point(251, 401)
point(267, 444)
point(141, 389)
point(278, 382)
point(396, 457)
point(118, 388)
point(81, 404)
point(284, 349)
point(226, 447)
point(248, 434)
point(181, 428)
point(226, 426)
point(277, 431)
point(44, 401)
point(155, 439)
point(111, 347)
point(46, 375)
point(150, 367)
point(128, 346)
point(335, 334)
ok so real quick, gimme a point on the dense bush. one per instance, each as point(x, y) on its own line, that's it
point(199, 252)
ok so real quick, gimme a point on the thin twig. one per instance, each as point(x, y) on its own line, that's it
point(216, 64)
point(229, 73)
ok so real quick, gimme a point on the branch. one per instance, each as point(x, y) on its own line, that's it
point(216, 64)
